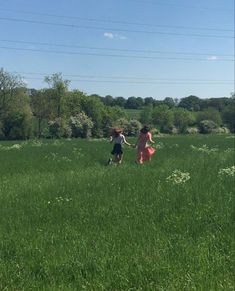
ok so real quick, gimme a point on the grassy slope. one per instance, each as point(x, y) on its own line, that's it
point(125, 228)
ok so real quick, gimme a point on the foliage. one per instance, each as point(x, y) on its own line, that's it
point(209, 114)
point(134, 103)
point(192, 130)
point(146, 115)
point(59, 128)
point(130, 127)
point(183, 118)
point(207, 126)
point(59, 88)
point(81, 125)
point(191, 103)
point(22, 109)
point(163, 117)
point(228, 115)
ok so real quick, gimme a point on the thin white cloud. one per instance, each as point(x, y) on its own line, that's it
point(109, 35)
point(212, 58)
point(121, 37)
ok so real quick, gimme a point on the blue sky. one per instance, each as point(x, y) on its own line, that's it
point(164, 48)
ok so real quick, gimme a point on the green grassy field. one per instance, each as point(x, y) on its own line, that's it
point(70, 222)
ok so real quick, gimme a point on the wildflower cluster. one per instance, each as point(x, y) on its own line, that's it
point(204, 149)
point(230, 171)
point(57, 143)
point(13, 147)
point(229, 150)
point(177, 177)
point(36, 143)
point(60, 199)
point(77, 152)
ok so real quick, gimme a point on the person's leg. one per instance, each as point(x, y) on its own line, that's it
point(139, 156)
point(120, 156)
point(110, 161)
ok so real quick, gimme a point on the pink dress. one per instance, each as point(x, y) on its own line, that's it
point(144, 150)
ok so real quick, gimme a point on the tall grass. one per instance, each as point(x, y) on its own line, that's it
point(70, 222)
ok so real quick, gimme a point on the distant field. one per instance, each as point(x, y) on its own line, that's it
point(70, 222)
point(133, 113)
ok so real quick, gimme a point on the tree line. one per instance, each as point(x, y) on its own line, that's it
point(57, 112)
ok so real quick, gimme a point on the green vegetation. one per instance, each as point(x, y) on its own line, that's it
point(69, 222)
point(133, 113)
point(57, 112)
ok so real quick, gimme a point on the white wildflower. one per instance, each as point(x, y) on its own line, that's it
point(230, 172)
point(36, 143)
point(204, 149)
point(177, 177)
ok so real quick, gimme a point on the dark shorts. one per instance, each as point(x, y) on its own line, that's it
point(117, 149)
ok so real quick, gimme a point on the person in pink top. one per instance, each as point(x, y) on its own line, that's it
point(144, 150)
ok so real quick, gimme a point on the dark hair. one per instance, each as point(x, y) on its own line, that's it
point(145, 129)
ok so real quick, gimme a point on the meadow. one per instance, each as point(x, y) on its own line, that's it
point(70, 222)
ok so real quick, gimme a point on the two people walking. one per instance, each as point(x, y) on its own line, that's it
point(144, 150)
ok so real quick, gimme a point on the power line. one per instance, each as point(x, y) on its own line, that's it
point(111, 55)
point(124, 77)
point(112, 29)
point(180, 5)
point(112, 49)
point(115, 21)
point(140, 82)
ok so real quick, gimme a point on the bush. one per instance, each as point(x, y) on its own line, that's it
point(207, 126)
point(18, 124)
point(170, 129)
point(192, 130)
point(209, 114)
point(81, 125)
point(130, 128)
point(133, 127)
point(2, 136)
point(155, 131)
point(221, 130)
point(59, 128)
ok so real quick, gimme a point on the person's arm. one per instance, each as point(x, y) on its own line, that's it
point(150, 138)
point(111, 139)
point(125, 142)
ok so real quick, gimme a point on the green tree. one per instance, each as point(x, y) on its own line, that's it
point(191, 103)
point(183, 118)
point(209, 114)
point(163, 117)
point(146, 115)
point(228, 116)
point(72, 103)
point(10, 85)
point(170, 102)
point(59, 88)
point(40, 107)
point(134, 103)
point(15, 112)
point(94, 108)
point(120, 101)
point(108, 100)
